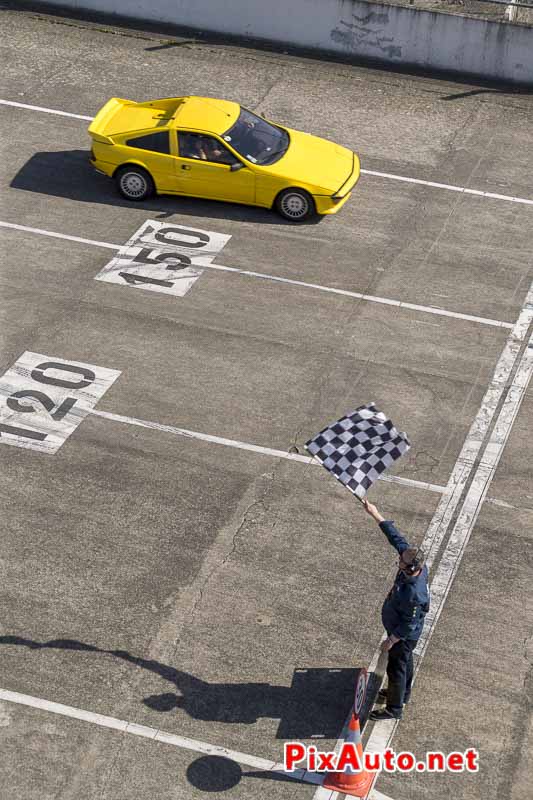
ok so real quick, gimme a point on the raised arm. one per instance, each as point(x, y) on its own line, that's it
point(387, 526)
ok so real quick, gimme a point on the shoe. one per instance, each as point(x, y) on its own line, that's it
point(382, 697)
point(384, 713)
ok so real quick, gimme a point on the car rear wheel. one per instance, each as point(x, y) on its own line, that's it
point(295, 204)
point(134, 183)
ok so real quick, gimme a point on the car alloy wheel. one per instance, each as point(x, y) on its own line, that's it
point(295, 205)
point(134, 184)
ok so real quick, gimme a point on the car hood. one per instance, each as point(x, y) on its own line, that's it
point(316, 161)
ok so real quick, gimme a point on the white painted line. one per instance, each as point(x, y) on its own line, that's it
point(44, 110)
point(367, 297)
point(388, 175)
point(331, 794)
point(375, 795)
point(455, 548)
point(450, 561)
point(54, 235)
point(156, 735)
point(449, 187)
point(205, 264)
point(205, 437)
point(382, 733)
point(429, 487)
point(502, 503)
point(137, 730)
point(478, 430)
point(254, 448)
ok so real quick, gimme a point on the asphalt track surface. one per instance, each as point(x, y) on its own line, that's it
point(205, 586)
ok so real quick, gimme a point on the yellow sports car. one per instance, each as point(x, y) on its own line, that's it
point(204, 147)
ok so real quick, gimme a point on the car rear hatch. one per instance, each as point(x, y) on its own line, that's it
point(122, 116)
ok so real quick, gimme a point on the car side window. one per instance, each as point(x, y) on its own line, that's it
point(204, 148)
point(157, 142)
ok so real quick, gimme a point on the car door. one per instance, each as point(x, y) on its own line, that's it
point(152, 150)
point(204, 169)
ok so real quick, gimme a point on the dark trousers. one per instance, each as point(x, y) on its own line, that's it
point(400, 675)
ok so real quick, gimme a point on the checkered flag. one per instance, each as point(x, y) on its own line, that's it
point(359, 447)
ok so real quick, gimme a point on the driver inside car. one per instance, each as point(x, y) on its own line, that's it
point(214, 152)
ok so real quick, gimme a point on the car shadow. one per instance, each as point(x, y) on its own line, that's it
point(69, 174)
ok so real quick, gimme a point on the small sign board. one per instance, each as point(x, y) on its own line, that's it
point(360, 692)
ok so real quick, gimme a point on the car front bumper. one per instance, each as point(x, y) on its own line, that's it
point(326, 205)
point(331, 204)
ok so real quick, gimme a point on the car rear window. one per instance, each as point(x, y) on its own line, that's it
point(157, 142)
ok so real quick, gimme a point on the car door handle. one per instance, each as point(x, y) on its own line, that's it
point(185, 166)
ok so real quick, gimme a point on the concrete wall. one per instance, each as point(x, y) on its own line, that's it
point(388, 33)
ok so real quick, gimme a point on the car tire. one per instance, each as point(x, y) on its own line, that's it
point(134, 183)
point(295, 205)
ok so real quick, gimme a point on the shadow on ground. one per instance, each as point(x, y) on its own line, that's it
point(69, 174)
point(316, 704)
point(519, 90)
point(219, 774)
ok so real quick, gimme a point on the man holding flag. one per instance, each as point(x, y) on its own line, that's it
point(402, 614)
point(357, 449)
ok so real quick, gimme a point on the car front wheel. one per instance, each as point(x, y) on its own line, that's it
point(295, 204)
point(134, 183)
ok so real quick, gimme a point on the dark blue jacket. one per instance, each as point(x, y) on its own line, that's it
point(407, 603)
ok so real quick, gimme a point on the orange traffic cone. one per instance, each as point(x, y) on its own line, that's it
point(351, 782)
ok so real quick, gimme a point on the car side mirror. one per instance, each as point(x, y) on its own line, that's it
point(236, 166)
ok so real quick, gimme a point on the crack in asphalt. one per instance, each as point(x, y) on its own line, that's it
point(516, 742)
point(218, 567)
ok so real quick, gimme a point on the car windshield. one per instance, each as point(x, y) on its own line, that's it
point(256, 139)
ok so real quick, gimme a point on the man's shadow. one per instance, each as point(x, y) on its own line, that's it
point(314, 706)
point(69, 174)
